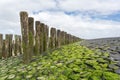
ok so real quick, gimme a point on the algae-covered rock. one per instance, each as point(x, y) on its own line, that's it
point(71, 62)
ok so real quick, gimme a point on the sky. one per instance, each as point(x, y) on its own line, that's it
point(87, 19)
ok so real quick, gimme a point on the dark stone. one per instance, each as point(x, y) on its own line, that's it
point(118, 64)
point(113, 66)
point(117, 71)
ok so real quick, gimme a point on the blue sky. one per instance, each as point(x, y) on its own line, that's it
point(86, 19)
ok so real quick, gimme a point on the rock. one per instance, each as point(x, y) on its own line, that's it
point(117, 71)
point(110, 45)
point(118, 64)
point(113, 66)
point(111, 58)
point(116, 57)
point(118, 51)
point(114, 52)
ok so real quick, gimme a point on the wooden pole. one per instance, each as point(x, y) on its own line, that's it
point(25, 36)
point(10, 44)
point(1, 45)
point(31, 35)
point(58, 38)
point(4, 52)
point(42, 35)
point(47, 36)
point(37, 38)
point(52, 38)
point(13, 47)
point(55, 38)
point(19, 44)
point(6, 45)
point(16, 51)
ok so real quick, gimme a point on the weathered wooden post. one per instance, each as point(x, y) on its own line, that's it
point(13, 47)
point(66, 38)
point(10, 45)
point(25, 36)
point(58, 38)
point(42, 37)
point(65, 33)
point(55, 38)
point(63, 37)
point(31, 35)
point(51, 39)
point(4, 52)
point(37, 38)
point(47, 36)
point(73, 39)
point(19, 45)
point(16, 50)
point(1, 45)
point(70, 38)
point(7, 45)
point(16, 45)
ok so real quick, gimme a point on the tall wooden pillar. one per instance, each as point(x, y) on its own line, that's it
point(25, 36)
point(1, 45)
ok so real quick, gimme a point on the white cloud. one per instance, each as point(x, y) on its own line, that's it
point(9, 12)
point(80, 25)
point(85, 28)
point(100, 6)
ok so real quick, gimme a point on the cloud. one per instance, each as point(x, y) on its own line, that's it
point(82, 18)
point(99, 6)
point(9, 12)
point(83, 27)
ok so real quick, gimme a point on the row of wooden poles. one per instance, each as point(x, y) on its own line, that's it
point(35, 39)
point(9, 46)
